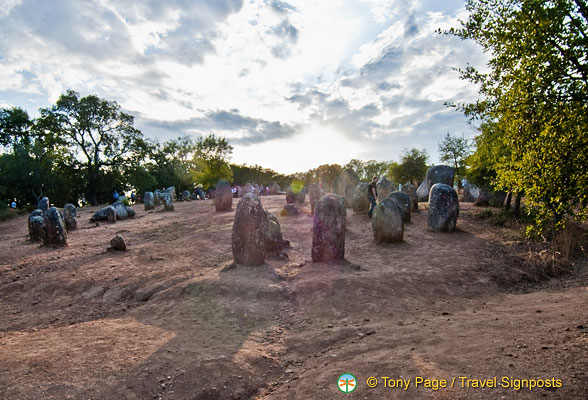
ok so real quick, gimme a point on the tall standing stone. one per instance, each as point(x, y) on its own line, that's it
point(250, 231)
point(274, 188)
point(423, 191)
point(404, 201)
point(167, 200)
point(44, 204)
point(443, 208)
point(149, 201)
point(328, 230)
point(223, 197)
point(37, 231)
point(172, 191)
point(314, 194)
point(410, 190)
point(361, 203)
point(156, 197)
point(388, 221)
point(440, 174)
point(70, 217)
point(384, 187)
point(55, 227)
point(345, 184)
point(186, 195)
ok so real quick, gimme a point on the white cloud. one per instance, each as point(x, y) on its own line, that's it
point(371, 73)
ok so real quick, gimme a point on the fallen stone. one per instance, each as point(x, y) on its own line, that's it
point(105, 214)
point(290, 210)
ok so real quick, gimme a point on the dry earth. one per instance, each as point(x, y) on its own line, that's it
point(163, 320)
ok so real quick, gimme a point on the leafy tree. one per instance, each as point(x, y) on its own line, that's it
point(173, 164)
point(365, 170)
point(102, 135)
point(412, 166)
point(454, 150)
point(211, 160)
point(536, 94)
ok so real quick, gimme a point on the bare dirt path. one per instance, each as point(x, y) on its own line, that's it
point(162, 320)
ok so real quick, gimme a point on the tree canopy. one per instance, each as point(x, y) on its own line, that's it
point(412, 166)
point(535, 99)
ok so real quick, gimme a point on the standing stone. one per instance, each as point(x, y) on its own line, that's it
point(69, 215)
point(37, 231)
point(388, 221)
point(497, 198)
point(361, 203)
point(274, 188)
point(250, 231)
point(275, 241)
point(405, 202)
point(314, 194)
point(44, 204)
point(156, 197)
point(423, 192)
point(345, 184)
point(223, 197)
point(172, 191)
point(483, 199)
point(384, 187)
point(240, 191)
point(167, 200)
point(249, 188)
point(410, 190)
point(328, 230)
point(55, 227)
point(440, 174)
point(443, 208)
point(295, 194)
point(186, 195)
point(148, 201)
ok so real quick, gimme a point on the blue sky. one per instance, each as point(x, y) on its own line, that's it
point(291, 84)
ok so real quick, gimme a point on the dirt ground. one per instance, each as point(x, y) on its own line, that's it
point(162, 320)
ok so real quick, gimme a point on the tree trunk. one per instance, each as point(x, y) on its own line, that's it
point(508, 200)
point(517, 206)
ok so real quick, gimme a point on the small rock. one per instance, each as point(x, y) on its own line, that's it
point(118, 243)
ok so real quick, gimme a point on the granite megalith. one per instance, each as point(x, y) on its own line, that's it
point(223, 197)
point(361, 203)
point(388, 221)
point(55, 227)
point(410, 190)
point(440, 174)
point(250, 231)
point(423, 192)
point(328, 229)
point(405, 203)
point(44, 204)
point(36, 223)
point(149, 201)
point(167, 200)
point(443, 208)
point(384, 187)
point(70, 217)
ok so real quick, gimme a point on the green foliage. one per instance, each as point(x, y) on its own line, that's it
point(243, 174)
point(536, 97)
point(366, 170)
point(412, 166)
point(99, 133)
point(296, 186)
point(454, 150)
point(211, 161)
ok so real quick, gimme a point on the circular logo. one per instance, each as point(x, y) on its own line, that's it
point(347, 383)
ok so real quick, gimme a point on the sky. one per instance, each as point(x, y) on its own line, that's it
point(290, 84)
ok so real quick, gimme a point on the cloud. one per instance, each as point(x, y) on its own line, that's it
point(281, 7)
point(288, 35)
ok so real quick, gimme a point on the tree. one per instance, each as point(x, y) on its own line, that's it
point(365, 170)
point(102, 135)
point(412, 167)
point(536, 94)
point(211, 160)
point(454, 150)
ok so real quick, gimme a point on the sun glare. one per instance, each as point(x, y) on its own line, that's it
point(315, 146)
